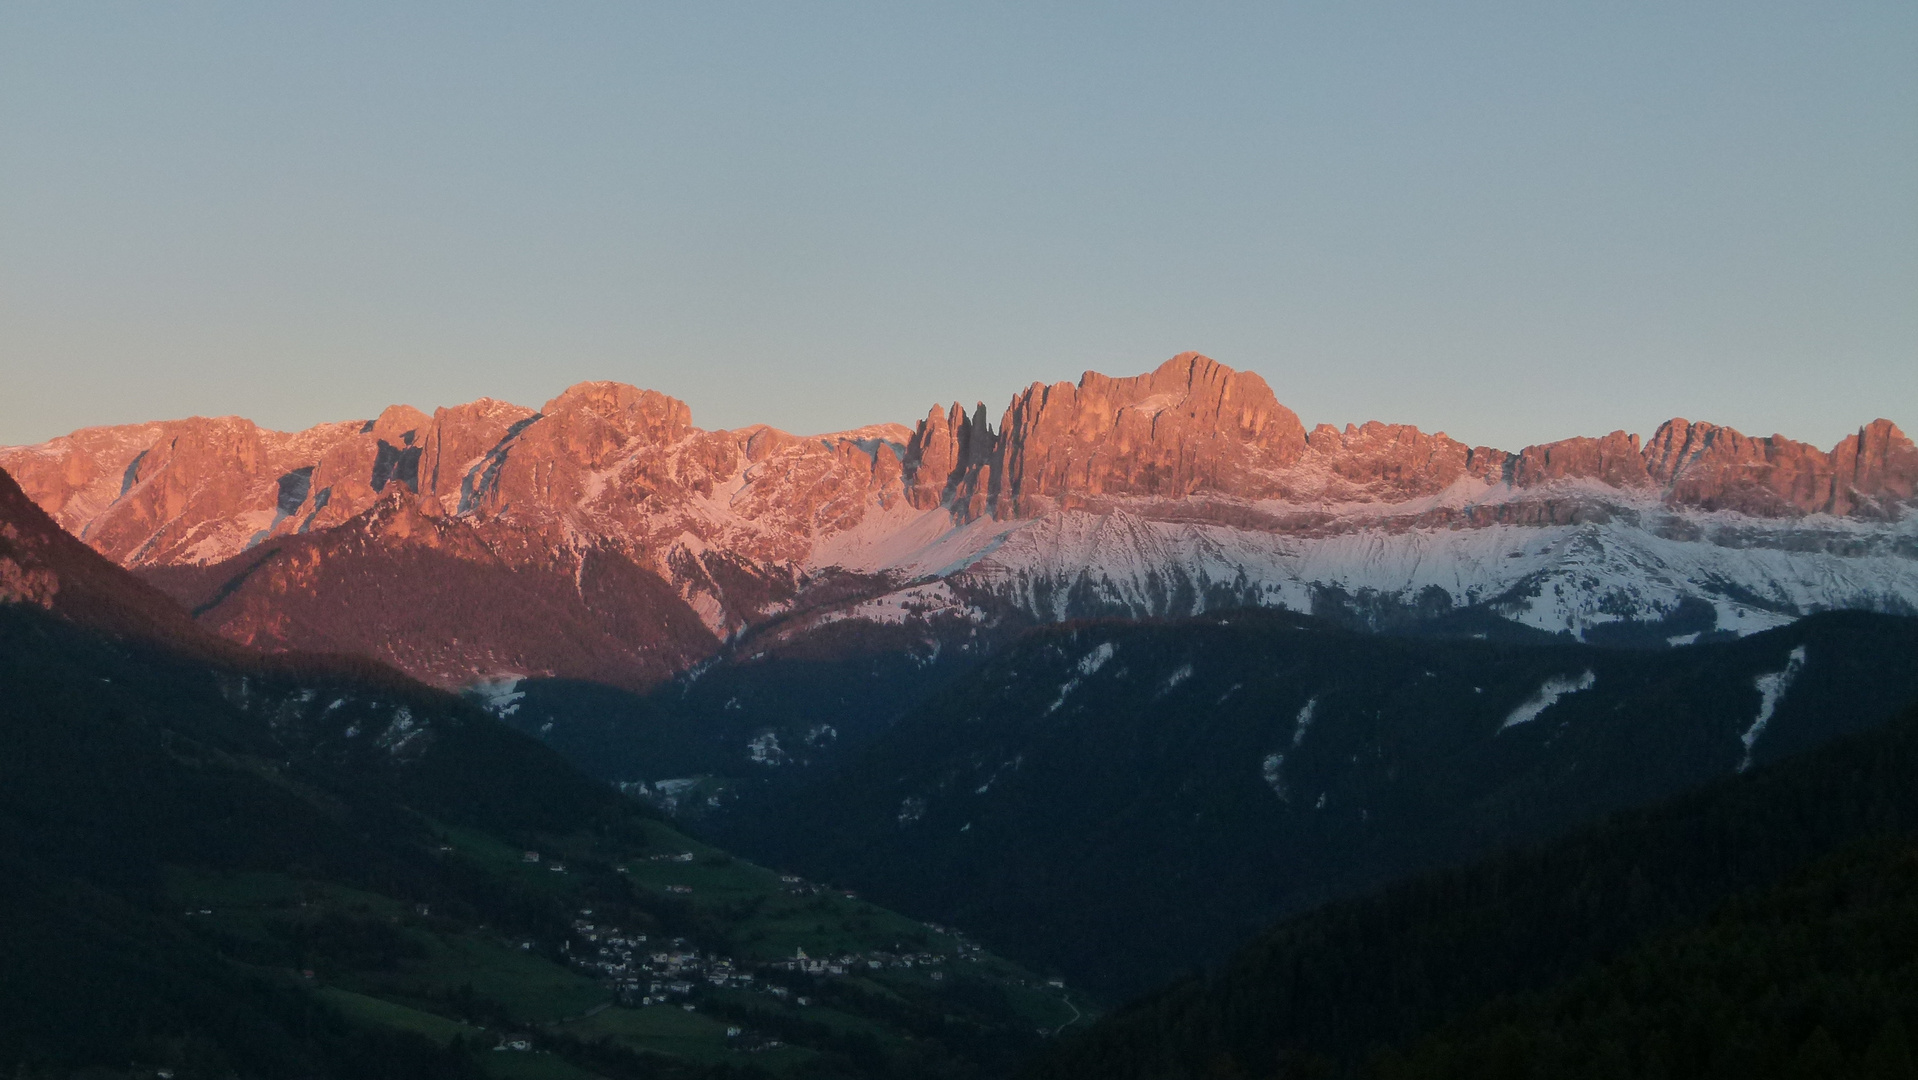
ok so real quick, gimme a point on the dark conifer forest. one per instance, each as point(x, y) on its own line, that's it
point(1764, 926)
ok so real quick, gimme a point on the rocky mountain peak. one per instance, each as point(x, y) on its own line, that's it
point(945, 453)
point(1718, 468)
point(1190, 425)
point(1615, 460)
point(626, 412)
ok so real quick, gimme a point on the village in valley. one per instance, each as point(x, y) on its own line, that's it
point(805, 952)
point(670, 972)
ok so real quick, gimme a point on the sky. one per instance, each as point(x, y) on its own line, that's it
point(1510, 222)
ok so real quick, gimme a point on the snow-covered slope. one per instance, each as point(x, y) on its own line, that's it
point(1642, 564)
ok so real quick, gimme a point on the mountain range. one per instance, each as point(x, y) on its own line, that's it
point(604, 537)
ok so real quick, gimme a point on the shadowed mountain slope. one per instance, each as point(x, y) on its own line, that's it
point(1610, 953)
point(1123, 801)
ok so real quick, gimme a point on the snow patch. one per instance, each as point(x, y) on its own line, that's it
point(1272, 768)
point(1088, 664)
point(401, 731)
point(500, 696)
point(1771, 691)
point(665, 794)
point(1096, 659)
point(1547, 696)
point(1017, 761)
point(911, 810)
point(1065, 690)
point(1305, 720)
point(764, 749)
point(913, 603)
point(1173, 680)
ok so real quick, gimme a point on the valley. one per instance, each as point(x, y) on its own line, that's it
point(1201, 777)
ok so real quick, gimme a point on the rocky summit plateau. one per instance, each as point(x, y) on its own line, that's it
point(603, 536)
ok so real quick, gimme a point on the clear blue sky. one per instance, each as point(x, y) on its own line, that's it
point(1513, 222)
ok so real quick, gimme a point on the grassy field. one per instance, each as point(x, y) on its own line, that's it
point(380, 1013)
point(264, 909)
point(772, 919)
point(666, 1029)
point(530, 987)
point(513, 1065)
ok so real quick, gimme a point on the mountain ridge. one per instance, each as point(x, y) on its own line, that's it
point(1180, 490)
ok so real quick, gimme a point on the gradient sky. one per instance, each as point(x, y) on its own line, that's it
point(1512, 222)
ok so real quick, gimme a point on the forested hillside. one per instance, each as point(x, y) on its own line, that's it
point(1124, 801)
point(1817, 977)
point(1703, 937)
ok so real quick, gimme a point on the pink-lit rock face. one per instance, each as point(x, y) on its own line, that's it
point(1614, 460)
point(600, 536)
point(1192, 426)
point(700, 534)
point(1866, 475)
point(1195, 428)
